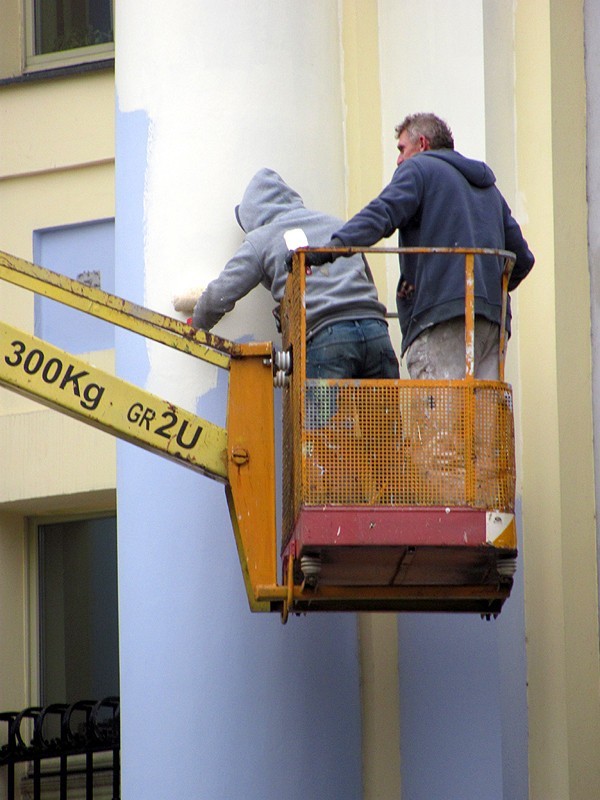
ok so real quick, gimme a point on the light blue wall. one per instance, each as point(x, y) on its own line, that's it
point(217, 703)
point(463, 701)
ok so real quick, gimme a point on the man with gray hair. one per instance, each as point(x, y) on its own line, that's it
point(439, 198)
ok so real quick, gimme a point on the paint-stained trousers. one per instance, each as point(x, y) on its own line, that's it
point(439, 352)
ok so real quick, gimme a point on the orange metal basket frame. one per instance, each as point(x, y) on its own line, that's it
point(393, 458)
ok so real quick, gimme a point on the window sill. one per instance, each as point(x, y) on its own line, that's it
point(60, 72)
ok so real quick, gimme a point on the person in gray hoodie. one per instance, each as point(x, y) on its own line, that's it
point(347, 335)
point(439, 198)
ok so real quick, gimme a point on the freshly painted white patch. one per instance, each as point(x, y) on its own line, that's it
point(220, 106)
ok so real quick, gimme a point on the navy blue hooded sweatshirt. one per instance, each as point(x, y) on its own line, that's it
point(439, 198)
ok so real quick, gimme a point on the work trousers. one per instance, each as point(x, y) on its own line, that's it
point(439, 352)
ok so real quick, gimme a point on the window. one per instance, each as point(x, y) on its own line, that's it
point(74, 597)
point(63, 32)
point(85, 252)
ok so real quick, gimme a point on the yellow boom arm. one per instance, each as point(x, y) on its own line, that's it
point(242, 457)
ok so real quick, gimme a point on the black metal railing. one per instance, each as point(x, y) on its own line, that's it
point(49, 738)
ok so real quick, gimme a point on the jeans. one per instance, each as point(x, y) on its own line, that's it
point(348, 349)
point(352, 349)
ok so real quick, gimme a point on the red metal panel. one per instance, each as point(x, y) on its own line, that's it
point(379, 525)
point(399, 547)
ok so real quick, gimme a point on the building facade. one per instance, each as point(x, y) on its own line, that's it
point(153, 156)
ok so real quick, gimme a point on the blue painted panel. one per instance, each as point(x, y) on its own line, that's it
point(217, 703)
point(449, 700)
point(73, 250)
point(463, 703)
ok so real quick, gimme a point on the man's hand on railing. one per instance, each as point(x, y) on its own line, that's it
point(316, 259)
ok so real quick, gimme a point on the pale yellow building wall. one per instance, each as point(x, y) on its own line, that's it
point(11, 38)
point(536, 142)
point(56, 168)
point(365, 176)
point(58, 171)
point(555, 386)
point(385, 79)
point(57, 124)
point(13, 686)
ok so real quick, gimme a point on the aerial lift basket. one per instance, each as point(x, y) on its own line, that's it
point(398, 494)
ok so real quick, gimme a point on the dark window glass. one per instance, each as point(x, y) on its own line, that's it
point(67, 24)
point(79, 639)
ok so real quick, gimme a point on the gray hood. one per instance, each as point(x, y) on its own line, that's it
point(269, 209)
point(266, 197)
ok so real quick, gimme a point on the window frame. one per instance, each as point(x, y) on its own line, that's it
point(61, 58)
point(91, 334)
point(33, 639)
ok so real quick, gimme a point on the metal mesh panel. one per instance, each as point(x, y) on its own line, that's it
point(406, 443)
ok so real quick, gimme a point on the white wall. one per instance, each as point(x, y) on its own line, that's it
point(216, 702)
